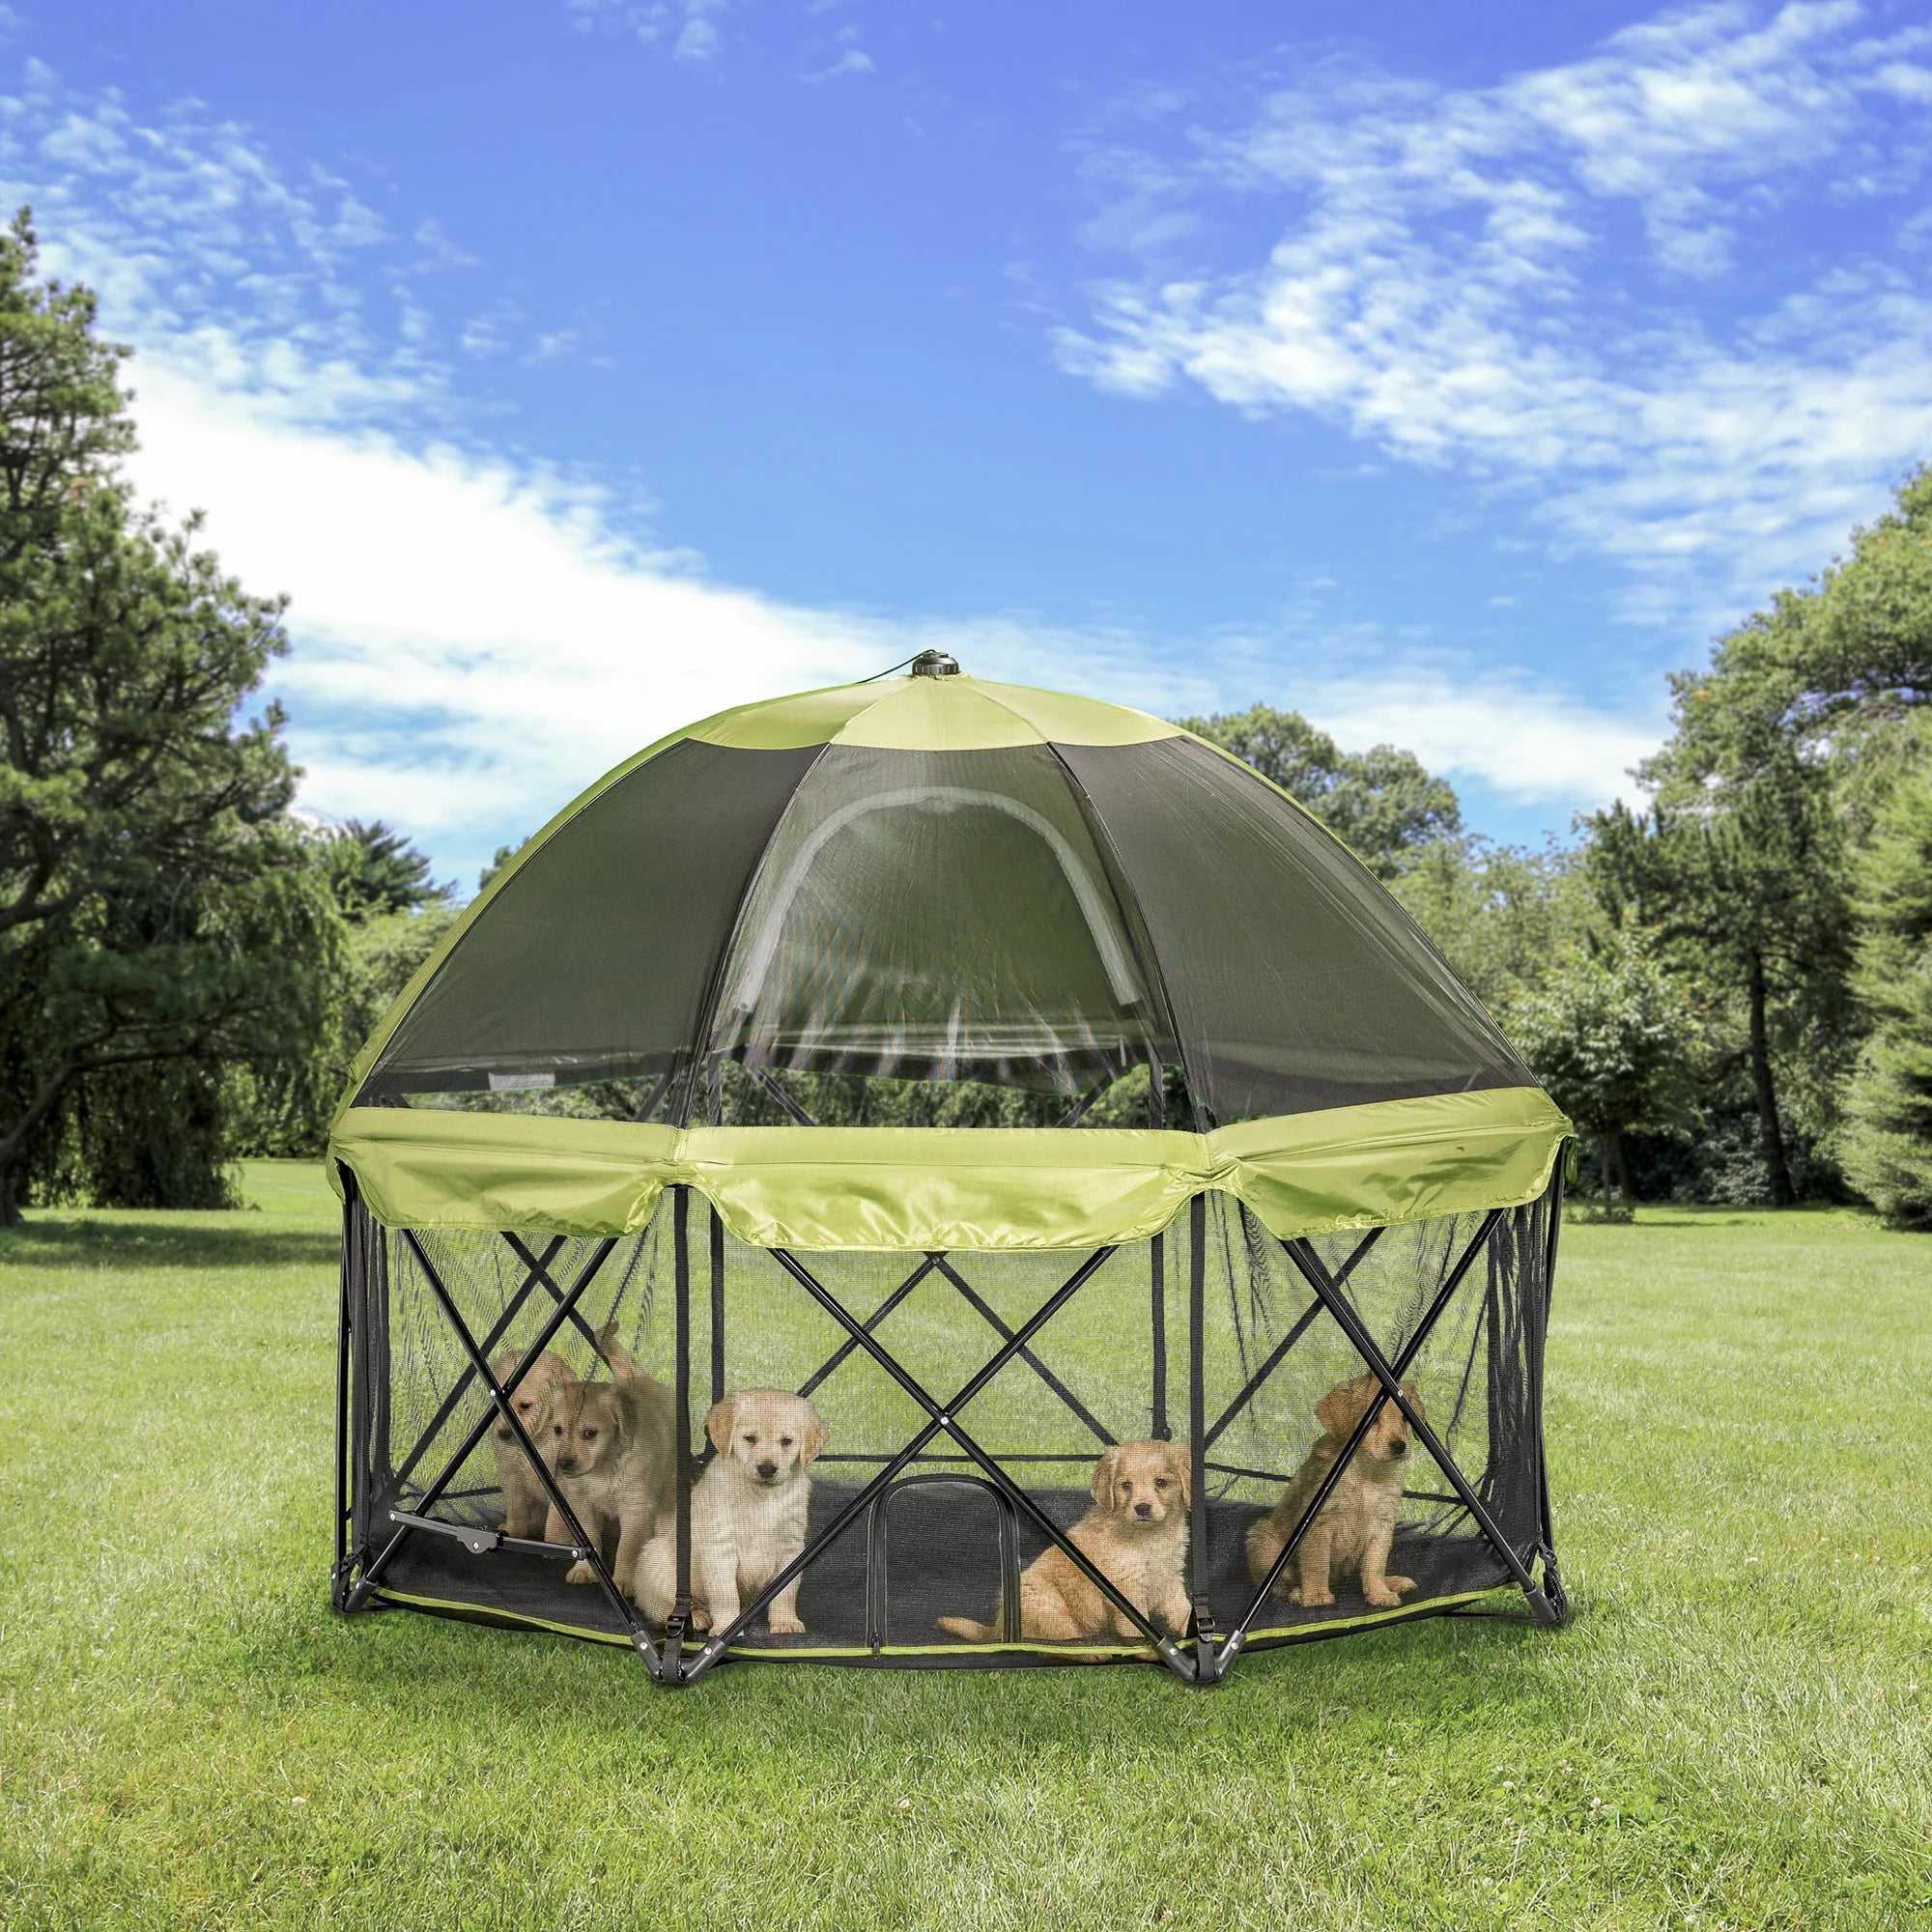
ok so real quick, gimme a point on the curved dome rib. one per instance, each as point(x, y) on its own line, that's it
point(1107, 940)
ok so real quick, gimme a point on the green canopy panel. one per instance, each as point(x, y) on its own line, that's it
point(932, 962)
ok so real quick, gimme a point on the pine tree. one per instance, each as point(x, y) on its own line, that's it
point(1888, 1136)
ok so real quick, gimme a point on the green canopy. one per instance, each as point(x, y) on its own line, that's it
point(918, 889)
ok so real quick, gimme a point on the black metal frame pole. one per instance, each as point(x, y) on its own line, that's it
point(987, 1311)
point(1197, 1435)
point(1239, 1636)
point(848, 1347)
point(941, 1417)
point(1157, 1291)
point(1552, 1575)
point(499, 1397)
point(1279, 1352)
point(673, 1661)
point(338, 1575)
point(717, 1257)
point(544, 1279)
point(938, 1261)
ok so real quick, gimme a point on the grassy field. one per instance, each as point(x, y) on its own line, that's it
point(1736, 1730)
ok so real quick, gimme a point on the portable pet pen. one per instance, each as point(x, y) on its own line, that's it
point(1013, 1075)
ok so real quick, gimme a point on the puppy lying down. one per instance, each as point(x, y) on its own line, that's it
point(1353, 1532)
point(748, 1513)
point(1135, 1535)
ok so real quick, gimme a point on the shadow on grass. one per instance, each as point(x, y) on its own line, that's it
point(1436, 1667)
point(58, 1241)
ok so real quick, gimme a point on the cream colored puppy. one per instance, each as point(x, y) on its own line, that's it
point(612, 1447)
point(1135, 1535)
point(748, 1513)
point(525, 1504)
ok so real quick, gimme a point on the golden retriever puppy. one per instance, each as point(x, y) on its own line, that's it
point(1135, 1534)
point(748, 1513)
point(612, 1447)
point(1353, 1532)
point(525, 1505)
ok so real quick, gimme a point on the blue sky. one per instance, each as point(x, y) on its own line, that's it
point(580, 366)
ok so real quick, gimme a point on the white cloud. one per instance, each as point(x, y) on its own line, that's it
point(476, 637)
point(685, 26)
point(1521, 742)
point(854, 60)
point(1452, 284)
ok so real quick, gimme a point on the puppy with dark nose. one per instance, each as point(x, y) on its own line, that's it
point(748, 1515)
point(1135, 1535)
point(1353, 1532)
point(611, 1446)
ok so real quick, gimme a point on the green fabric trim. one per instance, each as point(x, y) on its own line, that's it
point(931, 714)
point(920, 1188)
point(809, 1653)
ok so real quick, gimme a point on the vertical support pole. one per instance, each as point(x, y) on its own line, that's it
point(1553, 1576)
point(680, 1616)
point(1158, 1260)
point(338, 1575)
point(716, 1307)
point(1157, 1252)
point(1197, 1432)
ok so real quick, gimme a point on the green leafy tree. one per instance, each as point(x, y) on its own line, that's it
point(158, 904)
point(1887, 1138)
point(1612, 1032)
point(1381, 804)
point(504, 854)
point(373, 870)
point(1781, 751)
point(1745, 877)
point(1499, 914)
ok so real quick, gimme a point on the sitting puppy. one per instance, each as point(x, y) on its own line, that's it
point(525, 1506)
point(612, 1447)
point(1353, 1532)
point(1136, 1534)
point(748, 1513)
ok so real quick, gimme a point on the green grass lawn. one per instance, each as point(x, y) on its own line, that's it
point(1736, 1729)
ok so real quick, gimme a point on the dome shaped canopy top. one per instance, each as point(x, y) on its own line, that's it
point(934, 901)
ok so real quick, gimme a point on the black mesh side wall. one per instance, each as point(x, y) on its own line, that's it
point(943, 1537)
point(1281, 1355)
point(595, 959)
point(1296, 982)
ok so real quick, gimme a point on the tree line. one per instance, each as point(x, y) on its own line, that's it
point(1729, 990)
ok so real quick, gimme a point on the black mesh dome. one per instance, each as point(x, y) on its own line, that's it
point(1037, 916)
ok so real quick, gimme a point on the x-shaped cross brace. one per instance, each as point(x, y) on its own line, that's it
point(941, 1418)
point(940, 1264)
point(1327, 1290)
point(583, 1545)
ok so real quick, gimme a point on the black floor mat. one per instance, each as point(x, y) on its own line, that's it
point(934, 1551)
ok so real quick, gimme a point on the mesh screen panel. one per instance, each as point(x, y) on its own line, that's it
point(1295, 981)
point(938, 916)
point(595, 959)
point(940, 1534)
point(966, 938)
